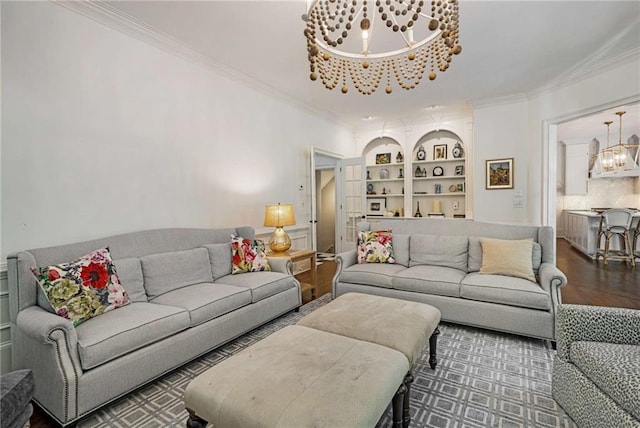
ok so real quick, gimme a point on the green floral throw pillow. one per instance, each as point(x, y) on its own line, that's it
point(84, 288)
point(375, 246)
point(248, 255)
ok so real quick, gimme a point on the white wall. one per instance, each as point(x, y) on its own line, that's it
point(499, 131)
point(104, 134)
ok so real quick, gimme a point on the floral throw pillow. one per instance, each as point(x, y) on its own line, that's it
point(248, 255)
point(375, 246)
point(84, 288)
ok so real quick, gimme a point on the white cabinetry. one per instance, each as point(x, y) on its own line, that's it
point(576, 169)
point(581, 230)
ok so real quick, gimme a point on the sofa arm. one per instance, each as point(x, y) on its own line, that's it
point(39, 325)
point(48, 345)
point(595, 324)
point(281, 264)
point(343, 261)
point(551, 277)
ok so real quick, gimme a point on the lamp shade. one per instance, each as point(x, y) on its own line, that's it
point(279, 215)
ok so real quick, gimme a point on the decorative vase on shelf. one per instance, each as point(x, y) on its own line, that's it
point(418, 213)
point(399, 158)
point(368, 175)
point(401, 174)
point(384, 174)
point(421, 154)
point(418, 172)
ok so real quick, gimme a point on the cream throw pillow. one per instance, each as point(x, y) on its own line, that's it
point(507, 257)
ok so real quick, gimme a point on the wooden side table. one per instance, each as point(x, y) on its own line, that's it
point(297, 255)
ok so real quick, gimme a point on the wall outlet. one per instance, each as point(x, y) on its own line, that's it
point(456, 205)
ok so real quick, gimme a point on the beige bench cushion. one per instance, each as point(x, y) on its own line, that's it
point(398, 324)
point(299, 377)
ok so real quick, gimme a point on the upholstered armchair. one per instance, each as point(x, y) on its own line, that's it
point(596, 372)
point(16, 391)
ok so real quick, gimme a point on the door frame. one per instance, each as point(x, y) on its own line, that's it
point(314, 151)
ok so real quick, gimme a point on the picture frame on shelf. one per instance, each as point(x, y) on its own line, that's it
point(460, 187)
point(459, 170)
point(499, 174)
point(383, 158)
point(376, 206)
point(439, 151)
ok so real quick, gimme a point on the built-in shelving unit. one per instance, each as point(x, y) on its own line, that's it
point(438, 182)
point(431, 175)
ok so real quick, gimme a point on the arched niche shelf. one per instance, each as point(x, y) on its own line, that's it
point(385, 164)
point(438, 175)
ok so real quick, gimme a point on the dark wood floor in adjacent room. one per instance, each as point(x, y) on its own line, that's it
point(590, 283)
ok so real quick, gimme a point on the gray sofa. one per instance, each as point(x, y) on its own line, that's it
point(438, 263)
point(185, 302)
point(596, 372)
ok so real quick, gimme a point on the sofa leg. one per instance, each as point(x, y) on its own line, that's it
point(433, 342)
point(554, 345)
point(397, 404)
point(406, 411)
point(195, 421)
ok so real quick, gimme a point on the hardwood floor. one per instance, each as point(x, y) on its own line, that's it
point(589, 283)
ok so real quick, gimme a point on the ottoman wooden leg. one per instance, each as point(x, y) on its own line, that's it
point(406, 411)
point(195, 421)
point(433, 342)
point(398, 403)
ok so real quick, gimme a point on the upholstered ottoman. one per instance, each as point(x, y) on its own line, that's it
point(300, 377)
point(397, 324)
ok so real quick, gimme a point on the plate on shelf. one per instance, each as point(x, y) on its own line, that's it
point(438, 171)
point(453, 188)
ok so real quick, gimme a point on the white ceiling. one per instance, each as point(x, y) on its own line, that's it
point(509, 48)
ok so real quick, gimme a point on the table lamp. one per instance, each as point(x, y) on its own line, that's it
point(279, 216)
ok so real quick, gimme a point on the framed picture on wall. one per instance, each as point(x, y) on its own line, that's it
point(376, 206)
point(383, 158)
point(499, 174)
point(440, 151)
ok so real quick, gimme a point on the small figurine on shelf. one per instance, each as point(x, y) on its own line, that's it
point(384, 191)
point(401, 174)
point(418, 213)
point(418, 172)
point(368, 175)
point(438, 188)
point(399, 158)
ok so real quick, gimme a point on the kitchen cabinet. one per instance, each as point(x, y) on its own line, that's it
point(576, 169)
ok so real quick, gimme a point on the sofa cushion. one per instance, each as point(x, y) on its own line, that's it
point(401, 248)
point(475, 255)
point(131, 327)
point(376, 274)
point(166, 272)
point(248, 255)
point(505, 290)
point(84, 288)
point(206, 301)
point(439, 250)
point(614, 368)
point(375, 246)
point(130, 274)
point(507, 257)
point(220, 258)
point(261, 284)
point(443, 281)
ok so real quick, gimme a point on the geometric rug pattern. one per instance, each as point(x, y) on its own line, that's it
point(483, 379)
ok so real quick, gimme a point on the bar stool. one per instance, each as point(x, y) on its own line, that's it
point(616, 222)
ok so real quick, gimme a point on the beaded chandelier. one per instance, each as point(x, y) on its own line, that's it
point(408, 42)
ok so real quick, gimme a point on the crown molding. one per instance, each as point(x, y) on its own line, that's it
point(107, 15)
point(579, 74)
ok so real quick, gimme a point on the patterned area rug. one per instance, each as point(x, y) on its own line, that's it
point(483, 379)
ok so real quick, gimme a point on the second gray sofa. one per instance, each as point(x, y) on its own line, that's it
point(438, 263)
point(184, 303)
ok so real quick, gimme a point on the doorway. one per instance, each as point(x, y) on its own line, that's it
point(326, 211)
point(323, 201)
